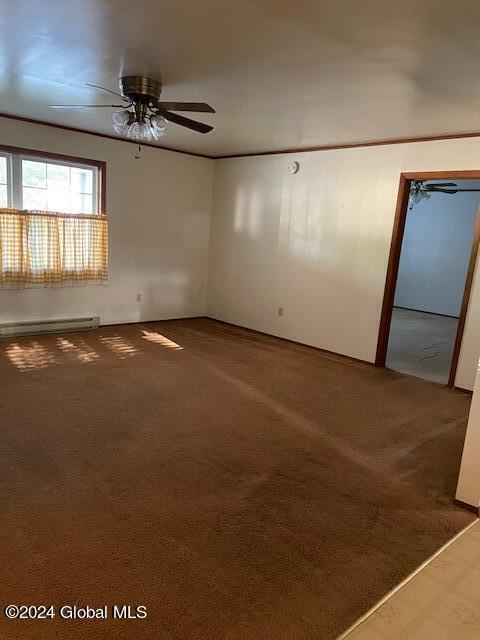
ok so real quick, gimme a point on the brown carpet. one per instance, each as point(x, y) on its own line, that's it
point(239, 486)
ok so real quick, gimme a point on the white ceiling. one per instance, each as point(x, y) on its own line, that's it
point(280, 73)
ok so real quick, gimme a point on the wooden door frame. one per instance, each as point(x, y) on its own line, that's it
point(394, 262)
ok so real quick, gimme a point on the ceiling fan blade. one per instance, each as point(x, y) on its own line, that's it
point(187, 106)
point(97, 86)
point(85, 106)
point(185, 122)
point(441, 184)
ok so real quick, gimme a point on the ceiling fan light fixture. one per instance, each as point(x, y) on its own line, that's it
point(158, 125)
point(143, 117)
point(121, 121)
point(139, 131)
point(146, 129)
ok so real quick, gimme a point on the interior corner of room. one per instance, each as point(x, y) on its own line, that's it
point(158, 256)
point(317, 245)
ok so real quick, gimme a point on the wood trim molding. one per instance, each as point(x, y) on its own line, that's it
point(290, 341)
point(392, 270)
point(468, 507)
point(100, 164)
point(465, 301)
point(54, 156)
point(394, 261)
point(464, 174)
point(101, 135)
point(355, 145)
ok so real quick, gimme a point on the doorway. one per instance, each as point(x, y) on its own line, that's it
point(430, 273)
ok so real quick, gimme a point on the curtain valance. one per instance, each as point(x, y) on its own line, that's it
point(52, 249)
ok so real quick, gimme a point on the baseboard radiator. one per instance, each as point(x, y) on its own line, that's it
point(37, 327)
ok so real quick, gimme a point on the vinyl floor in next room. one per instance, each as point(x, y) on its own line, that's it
point(239, 486)
point(421, 344)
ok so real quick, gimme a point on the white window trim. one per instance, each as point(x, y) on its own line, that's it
point(8, 157)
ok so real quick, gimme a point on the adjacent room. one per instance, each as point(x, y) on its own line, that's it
point(432, 278)
point(239, 320)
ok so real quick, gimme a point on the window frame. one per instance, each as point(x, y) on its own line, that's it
point(8, 158)
point(15, 155)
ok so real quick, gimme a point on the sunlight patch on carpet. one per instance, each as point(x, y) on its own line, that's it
point(28, 358)
point(153, 336)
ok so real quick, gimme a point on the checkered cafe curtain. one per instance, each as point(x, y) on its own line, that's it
point(52, 249)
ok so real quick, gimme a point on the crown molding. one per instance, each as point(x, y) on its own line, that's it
point(101, 135)
point(354, 145)
point(335, 147)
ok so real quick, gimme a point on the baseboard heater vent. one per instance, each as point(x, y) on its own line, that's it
point(37, 327)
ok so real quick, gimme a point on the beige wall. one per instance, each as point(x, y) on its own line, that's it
point(317, 243)
point(158, 209)
point(468, 489)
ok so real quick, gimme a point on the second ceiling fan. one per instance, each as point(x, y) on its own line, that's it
point(142, 116)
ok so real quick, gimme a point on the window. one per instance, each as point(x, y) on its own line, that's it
point(53, 228)
point(38, 184)
point(52, 186)
point(3, 182)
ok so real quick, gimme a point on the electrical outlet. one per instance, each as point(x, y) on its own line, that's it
point(280, 311)
point(139, 297)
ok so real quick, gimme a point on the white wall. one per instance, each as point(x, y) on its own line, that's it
point(158, 209)
point(317, 243)
point(468, 489)
point(436, 250)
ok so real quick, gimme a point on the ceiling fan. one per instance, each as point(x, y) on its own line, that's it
point(421, 190)
point(142, 116)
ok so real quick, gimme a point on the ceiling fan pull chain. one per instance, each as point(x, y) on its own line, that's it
point(139, 152)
